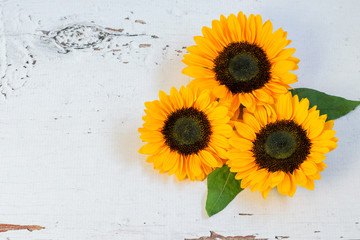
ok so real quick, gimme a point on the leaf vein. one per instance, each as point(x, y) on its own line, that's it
point(222, 190)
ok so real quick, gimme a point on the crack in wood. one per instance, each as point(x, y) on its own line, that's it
point(140, 21)
point(215, 236)
point(89, 36)
point(281, 237)
point(10, 227)
point(115, 30)
point(144, 45)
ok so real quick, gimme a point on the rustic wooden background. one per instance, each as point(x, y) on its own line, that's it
point(74, 75)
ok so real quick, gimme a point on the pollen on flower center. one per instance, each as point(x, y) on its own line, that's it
point(280, 145)
point(187, 131)
point(243, 67)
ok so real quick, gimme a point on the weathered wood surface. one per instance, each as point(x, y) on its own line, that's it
point(74, 78)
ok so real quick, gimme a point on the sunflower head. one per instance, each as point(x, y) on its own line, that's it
point(243, 58)
point(281, 145)
point(187, 133)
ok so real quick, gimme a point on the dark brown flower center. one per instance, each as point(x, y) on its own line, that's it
point(242, 67)
point(187, 131)
point(281, 146)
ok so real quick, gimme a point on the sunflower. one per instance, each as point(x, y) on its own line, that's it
point(243, 58)
point(283, 147)
point(187, 133)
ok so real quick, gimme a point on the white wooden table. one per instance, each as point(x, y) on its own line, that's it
point(74, 78)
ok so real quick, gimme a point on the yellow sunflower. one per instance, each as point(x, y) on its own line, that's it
point(282, 147)
point(243, 58)
point(187, 133)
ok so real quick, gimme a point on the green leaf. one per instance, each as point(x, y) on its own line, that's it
point(222, 189)
point(333, 106)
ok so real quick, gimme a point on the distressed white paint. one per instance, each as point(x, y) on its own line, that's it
point(68, 129)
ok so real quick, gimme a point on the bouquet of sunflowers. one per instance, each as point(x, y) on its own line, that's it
point(237, 123)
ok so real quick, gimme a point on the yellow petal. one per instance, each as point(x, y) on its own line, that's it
point(237, 153)
point(322, 150)
point(310, 184)
point(207, 158)
point(284, 66)
point(241, 162)
point(292, 186)
point(218, 112)
point(266, 192)
point(170, 162)
point(187, 96)
point(277, 177)
point(261, 116)
point(241, 143)
point(325, 135)
point(206, 46)
point(316, 157)
point(316, 176)
point(159, 159)
point(198, 72)
point(301, 112)
point(309, 167)
point(246, 171)
point(251, 121)
point(221, 152)
point(234, 28)
point(329, 125)
point(152, 148)
point(195, 164)
point(153, 136)
point(245, 183)
point(277, 88)
point(218, 31)
point(312, 116)
point(284, 186)
point(288, 77)
point(300, 177)
point(284, 106)
point(331, 145)
point(181, 171)
point(203, 101)
point(265, 33)
point(176, 99)
point(315, 128)
point(223, 129)
point(245, 130)
point(263, 96)
point(247, 99)
point(155, 113)
point(203, 83)
point(220, 140)
point(251, 30)
point(212, 36)
point(153, 126)
point(197, 61)
point(242, 21)
point(284, 54)
point(220, 91)
point(200, 52)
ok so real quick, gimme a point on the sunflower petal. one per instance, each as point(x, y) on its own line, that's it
point(245, 130)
